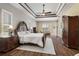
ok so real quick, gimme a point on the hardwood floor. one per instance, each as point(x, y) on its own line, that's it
point(60, 50)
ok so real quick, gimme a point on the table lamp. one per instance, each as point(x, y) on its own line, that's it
point(11, 29)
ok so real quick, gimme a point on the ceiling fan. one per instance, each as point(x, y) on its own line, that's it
point(45, 13)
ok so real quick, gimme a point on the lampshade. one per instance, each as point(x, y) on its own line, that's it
point(43, 14)
point(10, 27)
point(31, 27)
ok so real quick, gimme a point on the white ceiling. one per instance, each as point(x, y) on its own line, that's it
point(37, 8)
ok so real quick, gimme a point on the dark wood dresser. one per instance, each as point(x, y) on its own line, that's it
point(8, 43)
point(71, 31)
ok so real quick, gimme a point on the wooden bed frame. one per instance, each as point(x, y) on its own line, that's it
point(25, 28)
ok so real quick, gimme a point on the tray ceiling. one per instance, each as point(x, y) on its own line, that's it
point(38, 7)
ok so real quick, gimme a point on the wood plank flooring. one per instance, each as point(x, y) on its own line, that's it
point(60, 50)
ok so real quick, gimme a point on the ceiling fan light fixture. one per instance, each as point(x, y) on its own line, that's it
point(43, 14)
point(46, 14)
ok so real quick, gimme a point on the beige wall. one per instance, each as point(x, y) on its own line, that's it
point(52, 25)
point(73, 11)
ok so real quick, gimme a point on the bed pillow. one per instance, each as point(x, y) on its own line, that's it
point(27, 32)
point(21, 33)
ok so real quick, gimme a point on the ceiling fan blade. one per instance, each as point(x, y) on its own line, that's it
point(48, 12)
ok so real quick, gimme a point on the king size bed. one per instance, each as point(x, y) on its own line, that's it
point(25, 37)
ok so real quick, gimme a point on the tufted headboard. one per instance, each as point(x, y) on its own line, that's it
point(22, 26)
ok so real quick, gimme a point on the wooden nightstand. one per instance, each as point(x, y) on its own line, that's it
point(8, 43)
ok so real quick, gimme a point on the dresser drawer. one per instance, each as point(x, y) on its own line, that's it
point(7, 44)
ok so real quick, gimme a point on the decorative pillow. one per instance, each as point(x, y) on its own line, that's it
point(21, 33)
point(28, 32)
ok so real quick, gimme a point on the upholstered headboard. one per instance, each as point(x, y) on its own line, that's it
point(22, 26)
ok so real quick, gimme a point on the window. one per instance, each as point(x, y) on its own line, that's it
point(6, 21)
point(45, 27)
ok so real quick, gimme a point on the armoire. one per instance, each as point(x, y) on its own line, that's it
point(71, 31)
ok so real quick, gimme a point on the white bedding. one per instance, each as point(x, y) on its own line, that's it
point(35, 38)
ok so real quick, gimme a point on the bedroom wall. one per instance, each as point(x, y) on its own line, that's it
point(60, 26)
point(73, 11)
point(52, 26)
point(18, 15)
point(51, 22)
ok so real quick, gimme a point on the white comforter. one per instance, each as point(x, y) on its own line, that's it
point(35, 38)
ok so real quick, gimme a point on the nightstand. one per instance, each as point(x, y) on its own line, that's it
point(8, 43)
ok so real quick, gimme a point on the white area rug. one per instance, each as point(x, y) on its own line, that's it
point(48, 49)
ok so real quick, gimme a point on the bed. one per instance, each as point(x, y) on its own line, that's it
point(28, 38)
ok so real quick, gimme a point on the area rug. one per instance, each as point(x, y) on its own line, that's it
point(48, 49)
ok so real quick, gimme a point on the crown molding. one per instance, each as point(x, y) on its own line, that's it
point(27, 9)
point(58, 10)
point(58, 7)
point(65, 8)
point(61, 8)
point(30, 8)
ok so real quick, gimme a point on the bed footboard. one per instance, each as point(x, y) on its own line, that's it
point(44, 40)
